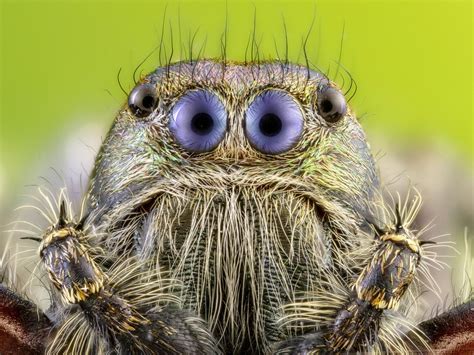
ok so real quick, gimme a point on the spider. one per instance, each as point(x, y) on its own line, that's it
point(233, 208)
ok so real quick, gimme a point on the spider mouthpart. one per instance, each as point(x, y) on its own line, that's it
point(380, 286)
point(77, 276)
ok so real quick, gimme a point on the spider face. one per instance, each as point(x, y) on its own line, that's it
point(240, 123)
point(237, 177)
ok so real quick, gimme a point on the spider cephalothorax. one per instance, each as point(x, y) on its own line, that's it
point(252, 187)
point(265, 160)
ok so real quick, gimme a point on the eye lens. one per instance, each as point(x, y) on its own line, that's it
point(326, 106)
point(198, 121)
point(331, 105)
point(274, 122)
point(270, 125)
point(142, 100)
point(148, 102)
point(202, 124)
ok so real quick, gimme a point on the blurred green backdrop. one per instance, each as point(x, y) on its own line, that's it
point(412, 61)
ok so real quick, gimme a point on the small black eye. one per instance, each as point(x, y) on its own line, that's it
point(331, 105)
point(142, 100)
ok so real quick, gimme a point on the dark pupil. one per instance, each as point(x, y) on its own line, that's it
point(270, 125)
point(326, 106)
point(202, 123)
point(148, 102)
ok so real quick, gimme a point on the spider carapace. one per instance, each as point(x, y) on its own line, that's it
point(233, 208)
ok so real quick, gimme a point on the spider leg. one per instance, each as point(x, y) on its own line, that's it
point(451, 332)
point(23, 327)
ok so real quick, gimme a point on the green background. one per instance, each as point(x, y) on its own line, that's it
point(412, 61)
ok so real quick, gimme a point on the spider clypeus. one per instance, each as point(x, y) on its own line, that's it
point(233, 208)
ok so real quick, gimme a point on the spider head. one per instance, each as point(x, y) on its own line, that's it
point(232, 124)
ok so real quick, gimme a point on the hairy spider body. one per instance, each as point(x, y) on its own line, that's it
point(280, 215)
point(253, 189)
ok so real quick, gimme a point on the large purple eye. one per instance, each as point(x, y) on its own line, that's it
point(198, 121)
point(274, 122)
